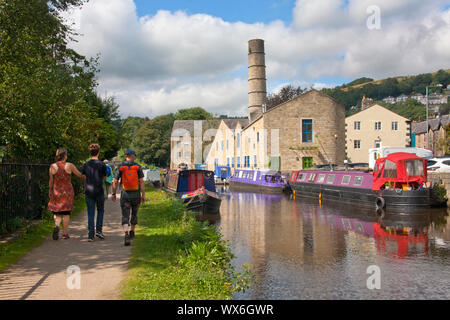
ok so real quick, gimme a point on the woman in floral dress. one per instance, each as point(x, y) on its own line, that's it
point(61, 192)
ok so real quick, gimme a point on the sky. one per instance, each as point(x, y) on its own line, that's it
point(159, 56)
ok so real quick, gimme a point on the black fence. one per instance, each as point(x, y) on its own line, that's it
point(24, 191)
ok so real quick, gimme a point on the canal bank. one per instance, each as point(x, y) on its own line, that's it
point(176, 257)
point(299, 249)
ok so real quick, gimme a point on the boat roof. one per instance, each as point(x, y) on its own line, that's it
point(401, 156)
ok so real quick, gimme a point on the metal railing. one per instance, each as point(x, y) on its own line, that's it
point(24, 191)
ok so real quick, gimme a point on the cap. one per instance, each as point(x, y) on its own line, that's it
point(130, 152)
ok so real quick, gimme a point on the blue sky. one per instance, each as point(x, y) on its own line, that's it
point(249, 11)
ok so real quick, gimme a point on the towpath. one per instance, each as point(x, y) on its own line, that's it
point(42, 273)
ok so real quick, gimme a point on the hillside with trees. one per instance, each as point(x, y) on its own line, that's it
point(351, 94)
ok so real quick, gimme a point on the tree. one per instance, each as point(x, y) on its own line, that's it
point(196, 113)
point(47, 90)
point(152, 141)
point(286, 93)
point(43, 83)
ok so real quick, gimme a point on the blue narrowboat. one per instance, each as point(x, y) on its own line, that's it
point(196, 188)
point(259, 181)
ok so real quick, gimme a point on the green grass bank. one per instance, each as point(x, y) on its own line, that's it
point(33, 236)
point(176, 257)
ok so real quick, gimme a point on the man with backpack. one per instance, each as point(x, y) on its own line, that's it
point(131, 176)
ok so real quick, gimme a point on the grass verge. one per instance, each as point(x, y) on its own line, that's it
point(33, 236)
point(175, 257)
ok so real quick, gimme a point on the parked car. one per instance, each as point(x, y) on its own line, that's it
point(439, 165)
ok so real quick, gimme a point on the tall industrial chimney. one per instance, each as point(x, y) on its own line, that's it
point(257, 91)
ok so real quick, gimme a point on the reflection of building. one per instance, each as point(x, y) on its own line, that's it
point(436, 129)
point(373, 128)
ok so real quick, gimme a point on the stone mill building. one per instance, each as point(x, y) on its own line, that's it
point(305, 131)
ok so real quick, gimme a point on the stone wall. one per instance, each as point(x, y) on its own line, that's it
point(436, 177)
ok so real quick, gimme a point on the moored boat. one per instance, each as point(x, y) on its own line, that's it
point(258, 181)
point(196, 188)
point(399, 181)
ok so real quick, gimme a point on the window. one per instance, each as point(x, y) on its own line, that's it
point(232, 162)
point(307, 162)
point(357, 144)
point(227, 145)
point(238, 162)
point(330, 178)
point(358, 181)
point(346, 179)
point(250, 176)
point(394, 125)
point(254, 163)
point(222, 145)
point(321, 178)
point(217, 146)
point(377, 143)
point(312, 177)
point(378, 125)
point(301, 177)
point(390, 169)
point(357, 125)
point(257, 137)
point(307, 130)
point(238, 140)
point(228, 162)
point(414, 168)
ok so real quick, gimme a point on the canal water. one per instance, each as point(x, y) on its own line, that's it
point(301, 249)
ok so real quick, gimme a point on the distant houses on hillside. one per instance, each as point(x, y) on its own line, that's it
point(433, 99)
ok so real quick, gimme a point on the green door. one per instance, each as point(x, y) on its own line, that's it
point(307, 162)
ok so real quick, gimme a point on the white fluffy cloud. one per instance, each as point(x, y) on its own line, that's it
point(169, 60)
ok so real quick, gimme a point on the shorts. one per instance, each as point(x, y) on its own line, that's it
point(130, 206)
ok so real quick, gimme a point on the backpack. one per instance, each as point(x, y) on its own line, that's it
point(130, 178)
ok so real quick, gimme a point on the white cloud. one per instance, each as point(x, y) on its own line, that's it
point(156, 64)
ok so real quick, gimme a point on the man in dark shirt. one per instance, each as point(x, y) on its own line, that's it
point(95, 171)
point(130, 199)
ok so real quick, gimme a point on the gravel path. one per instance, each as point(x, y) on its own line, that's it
point(42, 273)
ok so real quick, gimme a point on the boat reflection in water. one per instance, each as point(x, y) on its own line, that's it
point(306, 250)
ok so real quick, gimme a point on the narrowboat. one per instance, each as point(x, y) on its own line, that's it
point(258, 181)
point(398, 181)
point(196, 188)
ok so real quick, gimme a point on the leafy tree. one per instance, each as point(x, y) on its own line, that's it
point(286, 93)
point(152, 141)
point(128, 129)
point(196, 113)
point(47, 90)
point(43, 83)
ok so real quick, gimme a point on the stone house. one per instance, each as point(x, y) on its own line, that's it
point(436, 133)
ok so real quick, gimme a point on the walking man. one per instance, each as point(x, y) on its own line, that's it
point(131, 176)
point(95, 171)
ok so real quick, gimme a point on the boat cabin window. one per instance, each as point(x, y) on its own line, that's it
point(274, 179)
point(321, 178)
point(330, 178)
point(312, 177)
point(250, 176)
point(414, 168)
point(345, 179)
point(301, 177)
point(390, 169)
point(241, 173)
point(358, 181)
